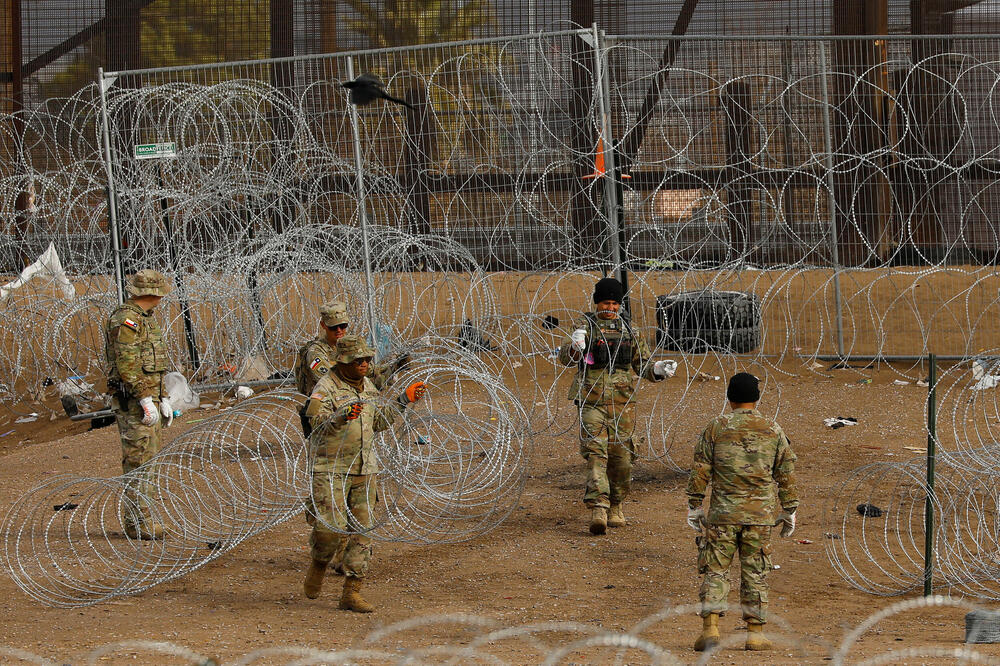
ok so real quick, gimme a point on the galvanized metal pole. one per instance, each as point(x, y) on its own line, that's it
point(832, 199)
point(931, 452)
point(362, 212)
point(610, 169)
point(116, 250)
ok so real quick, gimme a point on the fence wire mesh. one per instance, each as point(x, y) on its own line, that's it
point(844, 184)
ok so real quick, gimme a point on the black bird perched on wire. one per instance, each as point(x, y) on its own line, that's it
point(367, 88)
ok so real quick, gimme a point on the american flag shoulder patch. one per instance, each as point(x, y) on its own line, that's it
point(312, 366)
point(131, 324)
point(316, 396)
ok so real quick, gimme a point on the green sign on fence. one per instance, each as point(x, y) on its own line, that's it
point(152, 151)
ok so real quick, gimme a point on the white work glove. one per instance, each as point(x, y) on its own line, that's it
point(579, 339)
point(168, 412)
point(787, 522)
point(664, 369)
point(696, 519)
point(149, 414)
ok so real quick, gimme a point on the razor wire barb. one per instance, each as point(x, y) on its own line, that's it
point(824, 179)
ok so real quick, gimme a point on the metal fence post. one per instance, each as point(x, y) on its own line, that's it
point(611, 176)
point(931, 455)
point(834, 240)
point(362, 210)
point(116, 250)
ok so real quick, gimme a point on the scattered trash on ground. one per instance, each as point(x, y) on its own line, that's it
point(866, 380)
point(804, 542)
point(243, 392)
point(900, 382)
point(984, 380)
point(30, 418)
point(705, 377)
point(831, 535)
point(923, 382)
point(869, 510)
point(65, 506)
point(179, 392)
point(840, 421)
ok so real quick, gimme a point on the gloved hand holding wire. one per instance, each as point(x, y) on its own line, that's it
point(787, 521)
point(168, 412)
point(149, 414)
point(579, 340)
point(696, 519)
point(413, 392)
point(664, 369)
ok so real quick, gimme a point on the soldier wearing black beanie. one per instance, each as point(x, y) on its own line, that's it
point(743, 388)
point(610, 358)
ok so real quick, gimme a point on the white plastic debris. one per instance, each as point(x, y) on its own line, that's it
point(73, 386)
point(48, 265)
point(900, 382)
point(243, 392)
point(840, 421)
point(181, 397)
point(33, 416)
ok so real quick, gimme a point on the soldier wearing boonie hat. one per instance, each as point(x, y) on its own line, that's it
point(345, 412)
point(137, 359)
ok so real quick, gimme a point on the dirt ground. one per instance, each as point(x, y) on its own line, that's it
point(541, 565)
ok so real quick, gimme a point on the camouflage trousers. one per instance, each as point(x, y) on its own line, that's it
point(342, 506)
point(139, 444)
point(606, 445)
point(716, 551)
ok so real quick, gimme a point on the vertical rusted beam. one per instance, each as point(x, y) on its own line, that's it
point(859, 129)
point(283, 81)
point(419, 149)
point(736, 102)
point(632, 140)
point(16, 64)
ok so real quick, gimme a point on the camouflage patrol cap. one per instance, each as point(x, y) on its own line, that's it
point(148, 283)
point(333, 313)
point(351, 347)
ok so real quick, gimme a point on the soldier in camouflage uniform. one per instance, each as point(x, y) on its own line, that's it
point(609, 357)
point(345, 411)
point(317, 356)
point(137, 359)
point(744, 455)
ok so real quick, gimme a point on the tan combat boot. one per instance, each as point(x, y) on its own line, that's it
point(598, 520)
point(709, 633)
point(616, 518)
point(756, 640)
point(314, 579)
point(145, 532)
point(351, 599)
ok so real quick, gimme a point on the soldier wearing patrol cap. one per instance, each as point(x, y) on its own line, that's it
point(346, 411)
point(750, 463)
point(609, 357)
point(316, 357)
point(137, 359)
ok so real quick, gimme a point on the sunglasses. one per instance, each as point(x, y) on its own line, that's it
point(338, 327)
point(363, 359)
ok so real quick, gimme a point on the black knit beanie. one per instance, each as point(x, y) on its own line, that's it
point(608, 289)
point(743, 387)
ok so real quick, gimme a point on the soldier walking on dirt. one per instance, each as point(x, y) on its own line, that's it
point(609, 357)
point(346, 411)
point(137, 359)
point(745, 456)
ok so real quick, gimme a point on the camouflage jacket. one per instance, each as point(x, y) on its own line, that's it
point(744, 455)
point(616, 383)
point(346, 447)
point(135, 352)
point(318, 358)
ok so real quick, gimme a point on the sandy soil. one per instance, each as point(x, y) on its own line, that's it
point(542, 565)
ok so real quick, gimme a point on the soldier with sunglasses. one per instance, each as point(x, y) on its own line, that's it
point(346, 410)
